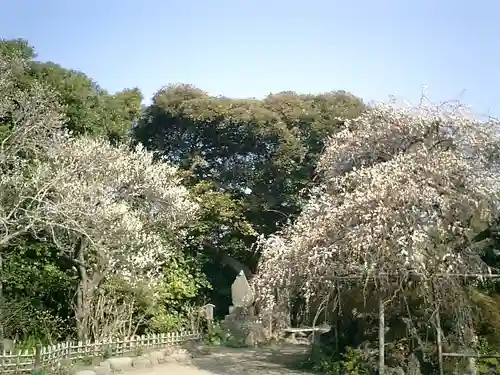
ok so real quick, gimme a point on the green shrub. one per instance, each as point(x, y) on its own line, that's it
point(487, 365)
point(214, 335)
point(351, 362)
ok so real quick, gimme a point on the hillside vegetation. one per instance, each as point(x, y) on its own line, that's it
point(119, 218)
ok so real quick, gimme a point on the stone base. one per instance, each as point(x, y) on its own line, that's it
point(243, 328)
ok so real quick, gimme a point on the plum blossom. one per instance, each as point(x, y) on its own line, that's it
point(398, 189)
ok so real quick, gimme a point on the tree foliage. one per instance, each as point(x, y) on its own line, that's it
point(402, 194)
point(249, 161)
point(117, 218)
point(108, 210)
point(88, 108)
point(262, 152)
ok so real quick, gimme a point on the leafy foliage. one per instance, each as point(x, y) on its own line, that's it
point(117, 218)
point(75, 195)
point(37, 286)
point(248, 162)
point(88, 108)
point(400, 193)
point(258, 151)
point(352, 362)
point(177, 296)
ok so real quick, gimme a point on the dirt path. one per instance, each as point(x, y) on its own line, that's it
point(226, 361)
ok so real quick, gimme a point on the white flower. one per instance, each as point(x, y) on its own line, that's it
point(396, 184)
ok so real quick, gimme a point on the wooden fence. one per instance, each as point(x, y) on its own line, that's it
point(25, 361)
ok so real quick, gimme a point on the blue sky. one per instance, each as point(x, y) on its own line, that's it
point(251, 48)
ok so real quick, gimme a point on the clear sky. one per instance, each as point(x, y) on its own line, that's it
point(372, 48)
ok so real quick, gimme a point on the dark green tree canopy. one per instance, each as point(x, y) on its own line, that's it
point(260, 151)
point(90, 109)
point(248, 161)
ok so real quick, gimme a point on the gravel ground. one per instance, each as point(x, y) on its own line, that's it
point(228, 361)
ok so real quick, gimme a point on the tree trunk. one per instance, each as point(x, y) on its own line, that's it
point(2, 333)
point(439, 341)
point(381, 337)
point(81, 311)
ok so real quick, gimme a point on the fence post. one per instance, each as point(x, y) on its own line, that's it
point(439, 341)
point(381, 337)
point(38, 356)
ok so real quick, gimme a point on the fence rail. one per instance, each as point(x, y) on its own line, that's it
point(25, 361)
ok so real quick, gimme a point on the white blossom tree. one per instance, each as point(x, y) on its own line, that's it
point(110, 210)
point(29, 116)
point(401, 191)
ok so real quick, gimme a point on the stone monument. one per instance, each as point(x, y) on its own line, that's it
point(241, 324)
point(241, 292)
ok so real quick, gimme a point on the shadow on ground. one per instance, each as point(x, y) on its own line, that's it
point(250, 361)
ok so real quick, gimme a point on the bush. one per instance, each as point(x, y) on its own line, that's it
point(351, 362)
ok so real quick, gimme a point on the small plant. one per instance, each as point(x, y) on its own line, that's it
point(321, 363)
point(138, 351)
point(214, 334)
point(107, 352)
point(350, 363)
point(87, 360)
point(59, 370)
point(487, 365)
point(353, 363)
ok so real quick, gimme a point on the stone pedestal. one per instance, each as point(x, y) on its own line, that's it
point(243, 327)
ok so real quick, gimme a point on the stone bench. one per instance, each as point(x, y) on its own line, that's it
point(292, 333)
